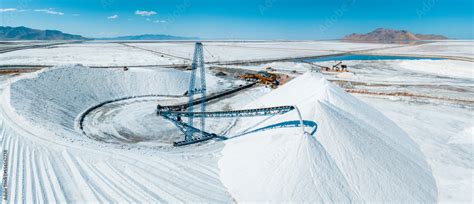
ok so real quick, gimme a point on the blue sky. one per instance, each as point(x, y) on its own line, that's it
point(241, 19)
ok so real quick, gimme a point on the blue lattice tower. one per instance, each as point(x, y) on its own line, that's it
point(198, 63)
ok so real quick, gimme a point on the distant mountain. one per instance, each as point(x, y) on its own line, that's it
point(388, 35)
point(149, 37)
point(24, 33)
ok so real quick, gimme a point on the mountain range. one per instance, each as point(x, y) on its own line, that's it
point(389, 35)
point(378, 35)
point(24, 33)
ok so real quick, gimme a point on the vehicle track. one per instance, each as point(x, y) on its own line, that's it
point(178, 106)
point(5, 50)
point(156, 52)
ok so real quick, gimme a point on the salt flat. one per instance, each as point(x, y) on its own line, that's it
point(116, 54)
point(462, 49)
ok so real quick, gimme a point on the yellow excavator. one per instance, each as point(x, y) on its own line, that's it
point(262, 77)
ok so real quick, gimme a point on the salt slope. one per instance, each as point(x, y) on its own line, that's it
point(282, 166)
point(357, 153)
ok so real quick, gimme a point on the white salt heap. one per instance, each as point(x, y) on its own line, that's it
point(357, 154)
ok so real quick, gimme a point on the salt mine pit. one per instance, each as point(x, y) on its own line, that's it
point(131, 121)
point(357, 154)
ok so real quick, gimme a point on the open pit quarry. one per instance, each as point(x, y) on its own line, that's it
point(355, 155)
point(88, 131)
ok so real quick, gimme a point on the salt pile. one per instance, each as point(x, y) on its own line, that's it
point(357, 154)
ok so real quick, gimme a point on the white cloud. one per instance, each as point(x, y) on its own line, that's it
point(7, 10)
point(145, 13)
point(159, 21)
point(113, 17)
point(147, 19)
point(50, 11)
